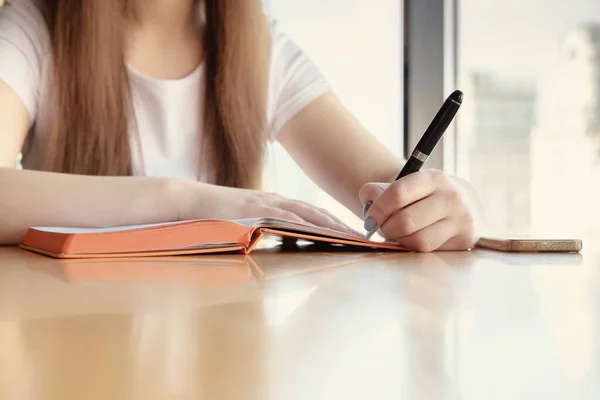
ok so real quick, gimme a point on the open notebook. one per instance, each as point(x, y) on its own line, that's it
point(179, 238)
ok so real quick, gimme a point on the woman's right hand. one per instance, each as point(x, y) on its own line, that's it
point(210, 201)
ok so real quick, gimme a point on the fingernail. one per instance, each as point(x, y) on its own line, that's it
point(366, 207)
point(370, 224)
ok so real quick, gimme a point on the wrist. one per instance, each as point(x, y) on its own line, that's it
point(190, 199)
point(177, 198)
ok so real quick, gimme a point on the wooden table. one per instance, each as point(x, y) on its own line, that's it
point(301, 325)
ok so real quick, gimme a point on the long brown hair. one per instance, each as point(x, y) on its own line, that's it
point(91, 110)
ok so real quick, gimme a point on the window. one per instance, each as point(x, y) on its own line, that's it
point(528, 136)
point(358, 46)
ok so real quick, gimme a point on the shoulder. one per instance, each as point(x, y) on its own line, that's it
point(284, 49)
point(295, 79)
point(24, 18)
point(278, 36)
point(23, 27)
point(289, 60)
point(24, 45)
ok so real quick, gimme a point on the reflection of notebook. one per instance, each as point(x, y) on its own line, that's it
point(206, 271)
point(178, 238)
point(201, 271)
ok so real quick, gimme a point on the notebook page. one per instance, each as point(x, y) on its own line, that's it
point(73, 231)
point(283, 224)
point(248, 222)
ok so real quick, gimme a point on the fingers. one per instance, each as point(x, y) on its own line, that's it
point(423, 211)
point(313, 215)
point(285, 215)
point(400, 194)
point(432, 237)
point(327, 213)
point(371, 191)
point(417, 216)
point(343, 226)
point(464, 241)
point(276, 206)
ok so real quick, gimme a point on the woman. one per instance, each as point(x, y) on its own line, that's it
point(144, 111)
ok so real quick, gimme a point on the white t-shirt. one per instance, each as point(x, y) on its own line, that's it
point(166, 111)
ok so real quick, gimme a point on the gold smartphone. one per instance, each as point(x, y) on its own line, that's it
point(514, 245)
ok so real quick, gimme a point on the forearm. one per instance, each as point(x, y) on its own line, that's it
point(337, 152)
point(31, 198)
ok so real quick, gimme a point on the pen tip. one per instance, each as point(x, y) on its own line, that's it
point(457, 96)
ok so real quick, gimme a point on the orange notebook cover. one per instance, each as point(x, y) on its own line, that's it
point(180, 238)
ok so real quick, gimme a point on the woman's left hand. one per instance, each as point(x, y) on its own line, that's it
point(424, 211)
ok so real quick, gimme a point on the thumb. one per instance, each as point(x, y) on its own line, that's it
point(371, 192)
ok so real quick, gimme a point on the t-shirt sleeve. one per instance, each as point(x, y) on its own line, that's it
point(23, 43)
point(295, 81)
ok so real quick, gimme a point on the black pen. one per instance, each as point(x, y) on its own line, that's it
point(425, 147)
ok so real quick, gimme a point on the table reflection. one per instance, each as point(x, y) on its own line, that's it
point(315, 322)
